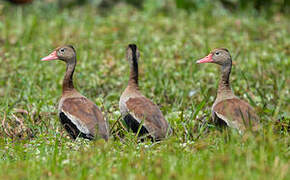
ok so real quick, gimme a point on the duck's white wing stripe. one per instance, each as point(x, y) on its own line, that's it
point(150, 130)
point(232, 124)
point(76, 121)
point(125, 111)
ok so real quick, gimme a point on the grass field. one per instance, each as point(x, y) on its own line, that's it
point(34, 146)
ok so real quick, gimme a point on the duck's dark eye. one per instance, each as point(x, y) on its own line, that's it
point(217, 53)
point(62, 50)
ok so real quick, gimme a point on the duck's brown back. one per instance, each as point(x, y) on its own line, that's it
point(236, 113)
point(85, 115)
point(142, 109)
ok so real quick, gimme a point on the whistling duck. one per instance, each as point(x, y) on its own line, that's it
point(136, 109)
point(79, 116)
point(235, 112)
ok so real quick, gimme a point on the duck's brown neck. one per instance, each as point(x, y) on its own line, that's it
point(224, 84)
point(133, 81)
point(67, 84)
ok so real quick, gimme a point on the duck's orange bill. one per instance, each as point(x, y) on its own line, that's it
point(206, 59)
point(52, 56)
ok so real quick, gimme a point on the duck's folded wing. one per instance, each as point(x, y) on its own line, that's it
point(143, 110)
point(236, 113)
point(85, 115)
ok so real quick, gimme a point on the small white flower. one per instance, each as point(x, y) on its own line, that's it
point(37, 151)
point(66, 161)
point(117, 113)
point(191, 93)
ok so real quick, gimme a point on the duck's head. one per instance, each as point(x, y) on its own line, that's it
point(220, 56)
point(65, 53)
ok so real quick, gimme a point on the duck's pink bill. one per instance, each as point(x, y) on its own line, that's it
point(52, 56)
point(206, 59)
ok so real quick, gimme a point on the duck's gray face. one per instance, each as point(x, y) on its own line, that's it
point(64, 53)
point(218, 56)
